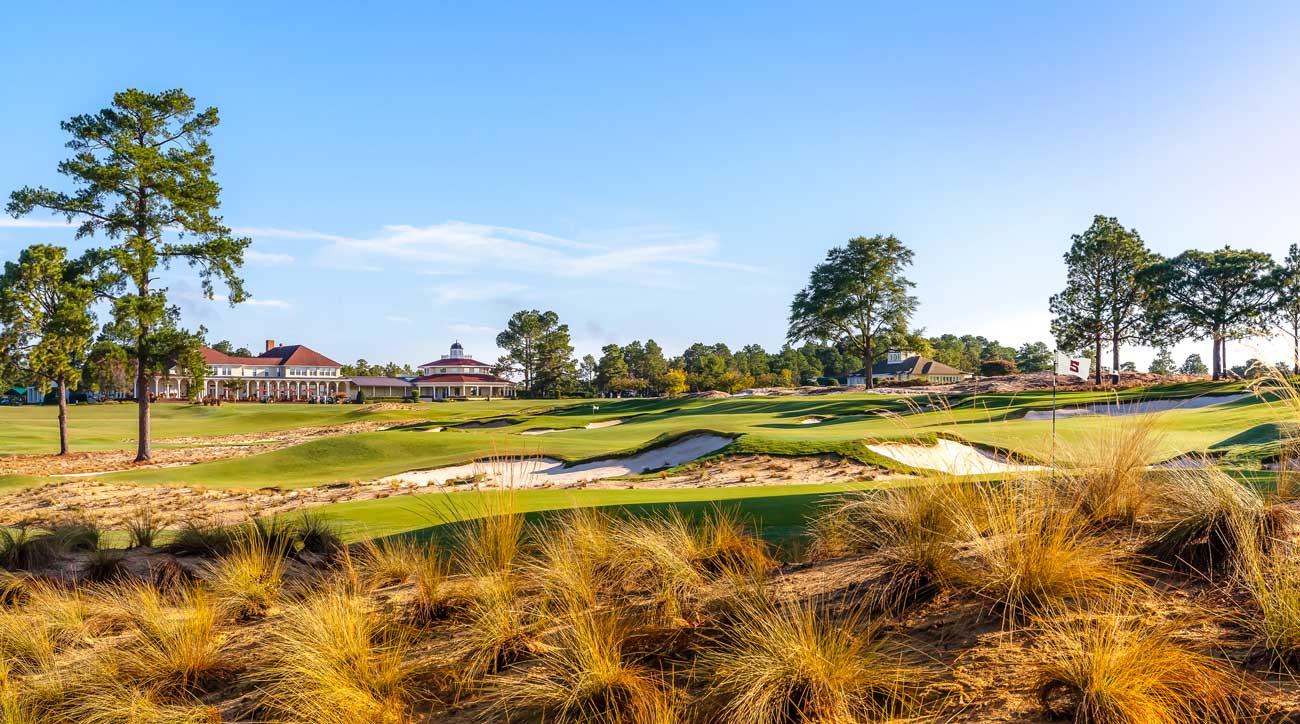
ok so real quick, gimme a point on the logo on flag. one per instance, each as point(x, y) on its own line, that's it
point(1077, 366)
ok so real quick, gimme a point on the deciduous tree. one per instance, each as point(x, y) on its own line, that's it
point(45, 321)
point(143, 177)
point(858, 294)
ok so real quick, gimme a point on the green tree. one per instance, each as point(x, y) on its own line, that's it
point(587, 375)
point(674, 381)
point(1216, 295)
point(1102, 302)
point(532, 340)
point(1193, 365)
point(858, 294)
point(612, 369)
point(108, 367)
point(1286, 311)
point(45, 321)
point(652, 367)
point(246, 352)
point(1034, 357)
point(1163, 363)
point(143, 176)
point(224, 347)
point(557, 370)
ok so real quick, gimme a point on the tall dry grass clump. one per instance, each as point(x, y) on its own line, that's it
point(1123, 667)
point(335, 661)
point(247, 581)
point(585, 677)
point(488, 535)
point(1273, 583)
point(1106, 470)
point(659, 554)
point(116, 704)
point(1025, 549)
point(794, 663)
point(1205, 521)
point(174, 644)
point(499, 628)
point(388, 562)
point(911, 529)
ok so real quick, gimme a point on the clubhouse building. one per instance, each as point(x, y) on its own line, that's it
point(900, 366)
point(290, 373)
point(451, 377)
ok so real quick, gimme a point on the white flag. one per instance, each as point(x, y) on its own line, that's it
point(1077, 366)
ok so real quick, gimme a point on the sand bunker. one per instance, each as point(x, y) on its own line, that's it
point(547, 472)
point(1143, 407)
point(950, 457)
point(588, 426)
point(813, 420)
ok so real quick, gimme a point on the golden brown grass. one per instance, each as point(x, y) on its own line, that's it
point(1123, 667)
point(1273, 583)
point(116, 704)
point(585, 677)
point(1026, 549)
point(246, 582)
point(498, 628)
point(660, 554)
point(175, 645)
point(1207, 522)
point(796, 664)
point(335, 661)
point(389, 562)
point(1105, 471)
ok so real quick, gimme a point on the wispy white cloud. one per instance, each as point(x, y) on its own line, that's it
point(398, 319)
point(457, 247)
point(266, 258)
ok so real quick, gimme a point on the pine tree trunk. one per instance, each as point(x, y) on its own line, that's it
point(866, 363)
point(63, 416)
point(1114, 355)
point(1096, 374)
point(1295, 347)
point(1215, 369)
point(144, 451)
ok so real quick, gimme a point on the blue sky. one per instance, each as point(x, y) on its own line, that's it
point(413, 174)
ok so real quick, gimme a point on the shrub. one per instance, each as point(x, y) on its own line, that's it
point(1122, 667)
point(997, 367)
point(246, 582)
point(336, 662)
point(104, 565)
point(795, 664)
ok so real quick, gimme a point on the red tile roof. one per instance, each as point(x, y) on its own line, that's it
point(456, 362)
point(291, 354)
point(457, 378)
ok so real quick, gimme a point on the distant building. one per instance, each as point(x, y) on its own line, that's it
point(291, 372)
point(374, 386)
point(899, 366)
point(456, 376)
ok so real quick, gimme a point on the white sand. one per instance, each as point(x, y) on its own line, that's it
point(432, 429)
point(1137, 408)
point(588, 426)
point(545, 472)
point(605, 423)
point(949, 457)
point(541, 431)
point(121, 470)
point(814, 420)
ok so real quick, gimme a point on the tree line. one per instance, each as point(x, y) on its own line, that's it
point(1120, 292)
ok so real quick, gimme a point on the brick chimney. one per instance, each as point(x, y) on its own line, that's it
point(270, 345)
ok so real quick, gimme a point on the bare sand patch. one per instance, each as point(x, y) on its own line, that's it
point(1141, 407)
point(813, 420)
point(950, 457)
point(602, 424)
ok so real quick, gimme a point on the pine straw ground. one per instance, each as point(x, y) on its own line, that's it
point(1106, 595)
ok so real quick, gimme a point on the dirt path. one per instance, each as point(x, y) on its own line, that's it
point(196, 450)
point(112, 504)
